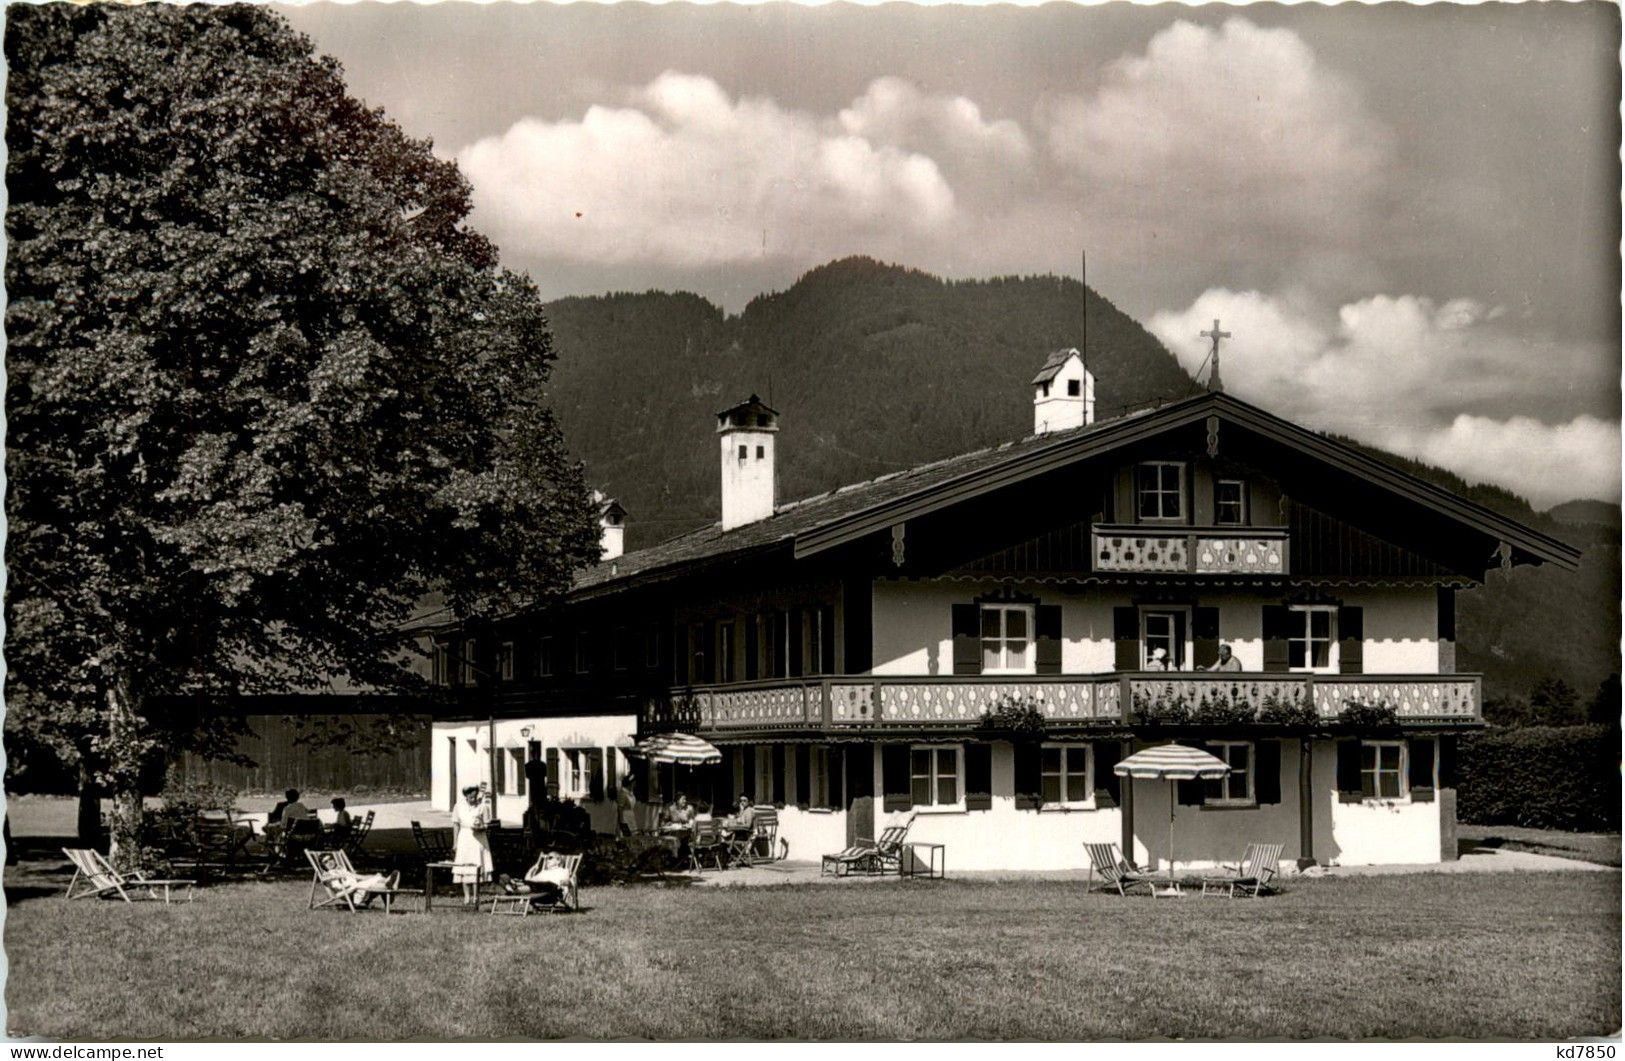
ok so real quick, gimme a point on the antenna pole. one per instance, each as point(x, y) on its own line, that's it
point(1083, 278)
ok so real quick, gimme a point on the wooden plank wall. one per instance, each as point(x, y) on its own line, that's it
point(280, 763)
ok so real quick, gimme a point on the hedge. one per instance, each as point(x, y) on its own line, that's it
point(1542, 777)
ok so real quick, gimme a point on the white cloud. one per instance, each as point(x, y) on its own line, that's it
point(949, 129)
point(1228, 139)
point(684, 175)
point(1398, 371)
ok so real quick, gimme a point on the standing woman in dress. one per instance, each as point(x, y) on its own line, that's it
point(471, 849)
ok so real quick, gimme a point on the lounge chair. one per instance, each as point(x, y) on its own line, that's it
point(559, 892)
point(1114, 871)
point(1254, 875)
point(884, 855)
point(336, 881)
point(102, 881)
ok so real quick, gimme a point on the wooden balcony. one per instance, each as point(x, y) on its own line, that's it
point(1143, 549)
point(851, 703)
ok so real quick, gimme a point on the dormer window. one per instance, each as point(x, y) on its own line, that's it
point(1160, 486)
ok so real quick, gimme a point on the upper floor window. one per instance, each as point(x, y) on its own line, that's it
point(544, 657)
point(1074, 388)
point(1162, 637)
point(1007, 639)
point(439, 668)
point(505, 661)
point(1230, 503)
point(725, 651)
point(1161, 489)
point(1064, 774)
point(1312, 637)
point(466, 673)
point(583, 653)
point(1236, 789)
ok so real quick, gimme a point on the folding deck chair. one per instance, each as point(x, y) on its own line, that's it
point(884, 855)
point(560, 892)
point(102, 881)
point(336, 879)
point(1114, 871)
point(1253, 876)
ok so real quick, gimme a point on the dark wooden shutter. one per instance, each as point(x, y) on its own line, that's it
point(979, 776)
point(1029, 776)
point(1447, 630)
point(708, 653)
point(722, 781)
point(595, 774)
point(860, 771)
point(778, 775)
point(612, 775)
point(1126, 633)
point(748, 754)
point(837, 767)
point(1348, 772)
point(1351, 640)
point(1277, 623)
point(1421, 771)
point(553, 773)
point(826, 638)
point(752, 648)
point(1108, 786)
point(1204, 637)
point(803, 776)
point(1267, 771)
point(797, 641)
point(894, 777)
point(1191, 793)
point(1447, 762)
point(1047, 619)
point(967, 619)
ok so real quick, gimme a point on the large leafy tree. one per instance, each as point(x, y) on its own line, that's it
point(265, 386)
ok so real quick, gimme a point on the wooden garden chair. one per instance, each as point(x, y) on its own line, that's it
point(95, 877)
point(1253, 876)
point(709, 843)
point(350, 842)
point(765, 845)
point(1107, 861)
point(336, 882)
point(433, 844)
point(560, 892)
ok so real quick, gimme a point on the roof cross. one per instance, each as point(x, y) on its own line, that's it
point(1213, 383)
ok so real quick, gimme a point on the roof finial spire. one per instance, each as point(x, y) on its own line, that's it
point(1213, 382)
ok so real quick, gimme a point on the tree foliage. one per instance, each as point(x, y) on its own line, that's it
point(265, 385)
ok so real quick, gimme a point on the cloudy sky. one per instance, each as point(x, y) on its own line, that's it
point(1407, 216)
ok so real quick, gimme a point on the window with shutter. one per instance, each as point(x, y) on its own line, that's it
point(1007, 639)
point(1312, 638)
point(1382, 769)
point(1236, 789)
point(1065, 775)
point(935, 777)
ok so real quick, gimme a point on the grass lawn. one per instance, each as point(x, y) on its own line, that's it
point(1481, 955)
point(1587, 847)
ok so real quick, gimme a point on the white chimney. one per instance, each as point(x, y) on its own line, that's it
point(611, 526)
point(746, 434)
point(1063, 394)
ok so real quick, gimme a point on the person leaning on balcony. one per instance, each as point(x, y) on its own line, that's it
point(1227, 660)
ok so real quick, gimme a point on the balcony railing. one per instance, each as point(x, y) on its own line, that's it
point(851, 702)
point(1141, 549)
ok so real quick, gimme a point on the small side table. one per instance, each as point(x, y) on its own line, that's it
point(934, 864)
point(428, 880)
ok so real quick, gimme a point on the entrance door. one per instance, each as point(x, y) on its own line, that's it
point(451, 772)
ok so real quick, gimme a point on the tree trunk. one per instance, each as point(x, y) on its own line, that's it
point(127, 746)
point(90, 808)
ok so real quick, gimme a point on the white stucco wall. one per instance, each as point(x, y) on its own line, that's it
point(1401, 629)
point(473, 764)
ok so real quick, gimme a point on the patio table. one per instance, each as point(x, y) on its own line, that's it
point(428, 881)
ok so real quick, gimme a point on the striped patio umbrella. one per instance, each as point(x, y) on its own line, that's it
point(1171, 763)
point(682, 748)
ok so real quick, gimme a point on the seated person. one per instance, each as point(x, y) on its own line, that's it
point(342, 823)
point(373, 884)
point(548, 875)
point(273, 821)
point(293, 810)
point(681, 812)
point(1226, 661)
point(744, 812)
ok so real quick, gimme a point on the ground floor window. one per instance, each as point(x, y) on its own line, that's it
point(934, 775)
point(1235, 790)
point(1382, 769)
point(1065, 774)
point(575, 769)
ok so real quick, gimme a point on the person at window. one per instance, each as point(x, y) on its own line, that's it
point(1158, 660)
point(1226, 660)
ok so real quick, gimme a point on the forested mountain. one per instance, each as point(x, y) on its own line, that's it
point(878, 368)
